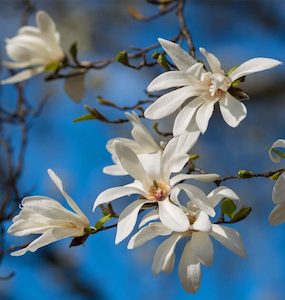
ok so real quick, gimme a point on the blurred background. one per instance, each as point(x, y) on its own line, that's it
point(235, 31)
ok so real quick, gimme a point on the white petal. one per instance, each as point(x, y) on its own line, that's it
point(164, 253)
point(23, 75)
point(188, 138)
point(150, 216)
point(130, 162)
point(229, 238)
point(196, 70)
point(278, 192)
point(277, 216)
point(142, 135)
point(277, 144)
point(233, 110)
point(202, 247)
point(127, 220)
point(173, 216)
point(180, 57)
point(115, 170)
point(151, 163)
point(74, 86)
point(45, 239)
point(148, 233)
point(170, 102)
point(169, 80)
point(202, 223)
point(115, 193)
point(189, 270)
point(16, 65)
point(252, 66)
point(198, 197)
point(204, 114)
point(213, 61)
point(57, 181)
point(220, 193)
point(186, 114)
point(199, 177)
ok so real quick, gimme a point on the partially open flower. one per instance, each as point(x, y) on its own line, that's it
point(35, 49)
point(45, 216)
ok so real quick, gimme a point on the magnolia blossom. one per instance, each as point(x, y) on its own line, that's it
point(153, 183)
point(143, 143)
point(204, 89)
point(45, 216)
point(34, 48)
point(199, 247)
point(277, 216)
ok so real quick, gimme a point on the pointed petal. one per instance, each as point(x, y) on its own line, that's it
point(130, 162)
point(127, 220)
point(233, 110)
point(278, 192)
point(180, 57)
point(115, 193)
point(23, 75)
point(186, 114)
point(198, 197)
point(277, 216)
point(229, 238)
point(199, 177)
point(277, 144)
point(164, 254)
point(213, 61)
point(202, 247)
point(170, 102)
point(202, 223)
point(173, 216)
point(220, 193)
point(148, 233)
point(254, 65)
point(196, 70)
point(189, 270)
point(57, 181)
point(204, 114)
point(169, 80)
point(115, 170)
point(151, 216)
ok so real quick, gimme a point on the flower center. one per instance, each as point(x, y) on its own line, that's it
point(158, 191)
point(217, 84)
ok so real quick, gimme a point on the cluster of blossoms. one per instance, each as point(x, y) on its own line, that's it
point(162, 183)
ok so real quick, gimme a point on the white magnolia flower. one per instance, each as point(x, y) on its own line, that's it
point(153, 182)
point(45, 216)
point(203, 88)
point(277, 216)
point(143, 143)
point(34, 48)
point(199, 247)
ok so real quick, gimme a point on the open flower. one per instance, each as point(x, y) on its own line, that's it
point(277, 216)
point(34, 48)
point(203, 88)
point(143, 143)
point(45, 216)
point(199, 247)
point(152, 182)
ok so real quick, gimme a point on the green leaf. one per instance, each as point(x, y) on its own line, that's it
point(228, 207)
point(53, 66)
point(122, 57)
point(241, 214)
point(102, 221)
point(231, 70)
point(161, 60)
point(245, 174)
point(194, 157)
point(276, 175)
point(278, 152)
point(83, 118)
point(73, 51)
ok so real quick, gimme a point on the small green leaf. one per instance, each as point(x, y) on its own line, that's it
point(83, 118)
point(276, 175)
point(53, 66)
point(122, 57)
point(228, 207)
point(245, 174)
point(102, 221)
point(95, 113)
point(278, 152)
point(238, 81)
point(194, 157)
point(161, 60)
point(73, 51)
point(241, 214)
point(231, 70)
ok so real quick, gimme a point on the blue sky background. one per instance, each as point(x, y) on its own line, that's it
point(235, 31)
